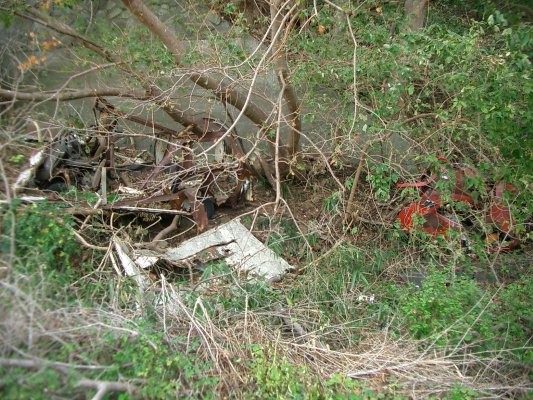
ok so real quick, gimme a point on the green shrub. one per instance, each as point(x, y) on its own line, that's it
point(274, 377)
point(448, 309)
point(42, 229)
point(514, 319)
point(18, 384)
point(461, 393)
point(159, 368)
point(47, 257)
point(167, 373)
point(382, 178)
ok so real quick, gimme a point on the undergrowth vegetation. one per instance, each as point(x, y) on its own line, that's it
point(368, 311)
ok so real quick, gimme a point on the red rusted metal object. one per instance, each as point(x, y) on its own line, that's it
point(499, 215)
point(460, 191)
point(435, 224)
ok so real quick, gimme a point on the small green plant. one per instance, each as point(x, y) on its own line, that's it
point(159, 368)
point(17, 384)
point(514, 315)
point(447, 308)
point(331, 203)
point(90, 197)
point(39, 229)
point(461, 393)
point(167, 373)
point(231, 9)
point(274, 377)
point(382, 178)
point(45, 252)
point(275, 243)
point(16, 159)
point(287, 241)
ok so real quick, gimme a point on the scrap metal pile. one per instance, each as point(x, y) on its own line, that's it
point(437, 214)
point(180, 178)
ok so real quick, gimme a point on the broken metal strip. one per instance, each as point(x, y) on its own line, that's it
point(245, 251)
point(111, 207)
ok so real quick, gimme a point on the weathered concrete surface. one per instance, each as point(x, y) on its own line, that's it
point(202, 32)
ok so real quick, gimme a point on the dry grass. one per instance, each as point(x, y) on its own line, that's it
point(380, 361)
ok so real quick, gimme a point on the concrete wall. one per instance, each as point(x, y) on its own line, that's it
point(62, 64)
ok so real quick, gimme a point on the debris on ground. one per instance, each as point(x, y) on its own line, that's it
point(176, 177)
point(232, 242)
point(439, 215)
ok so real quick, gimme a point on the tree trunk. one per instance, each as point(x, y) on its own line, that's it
point(416, 13)
point(219, 88)
point(282, 72)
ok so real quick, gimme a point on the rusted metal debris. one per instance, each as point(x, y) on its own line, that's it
point(437, 221)
point(177, 182)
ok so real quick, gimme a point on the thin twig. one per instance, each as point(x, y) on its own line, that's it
point(171, 228)
point(103, 387)
point(36, 364)
point(349, 206)
point(85, 243)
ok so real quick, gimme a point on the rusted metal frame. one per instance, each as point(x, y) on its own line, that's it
point(187, 164)
point(213, 132)
point(199, 213)
point(170, 151)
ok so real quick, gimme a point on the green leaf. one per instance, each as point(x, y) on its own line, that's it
point(7, 19)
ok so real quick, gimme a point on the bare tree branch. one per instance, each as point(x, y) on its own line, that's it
point(220, 89)
point(38, 363)
point(70, 94)
point(35, 15)
point(104, 387)
point(349, 207)
point(182, 117)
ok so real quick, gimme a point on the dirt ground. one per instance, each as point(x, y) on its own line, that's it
point(303, 205)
